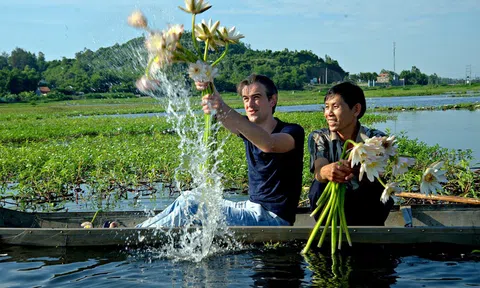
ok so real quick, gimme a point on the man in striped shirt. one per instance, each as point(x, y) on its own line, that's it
point(344, 105)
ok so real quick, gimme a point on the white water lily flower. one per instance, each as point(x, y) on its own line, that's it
point(174, 33)
point(137, 19)
point(230, 35)
point(432, 177)
point(361, 152)
point(374, 141)
point(195, 6)
point(146, 85)
point(372, 167)
point(156, 43)
point(206, 30)
point(210, 73)
point(389, 190)
point(87, 225)
point(202, 72)
point(196, 71)
point(388, 144)
point(401, 165)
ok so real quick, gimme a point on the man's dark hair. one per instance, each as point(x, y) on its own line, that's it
point(350, 93)
point(270, 88)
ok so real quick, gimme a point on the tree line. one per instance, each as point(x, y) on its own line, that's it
point(112, 71)
point(410, 77)
point(115, 69)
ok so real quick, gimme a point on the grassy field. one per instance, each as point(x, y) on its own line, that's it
point(51, 157)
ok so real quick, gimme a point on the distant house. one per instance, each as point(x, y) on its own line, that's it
point(42, 91)
point(384, 78)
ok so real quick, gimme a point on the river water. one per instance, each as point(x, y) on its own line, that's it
point(365, 266)
point(453, 129)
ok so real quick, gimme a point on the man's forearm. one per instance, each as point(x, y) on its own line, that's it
point(319, 164)
point(238, 124)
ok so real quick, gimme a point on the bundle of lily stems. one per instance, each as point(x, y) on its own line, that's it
point(373, 156)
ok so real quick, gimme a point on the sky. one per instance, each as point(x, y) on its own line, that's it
point(436, 36)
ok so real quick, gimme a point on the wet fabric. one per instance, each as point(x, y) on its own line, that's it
point(184, 209)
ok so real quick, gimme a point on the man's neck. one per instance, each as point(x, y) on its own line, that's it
point(268, 125)
point(349, 132)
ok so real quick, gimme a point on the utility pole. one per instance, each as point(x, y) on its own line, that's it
point(394, 57)
point(468, 74)
point(326, 75)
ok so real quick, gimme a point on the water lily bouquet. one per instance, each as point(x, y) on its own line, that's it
point(164, 48)
point(373, 156)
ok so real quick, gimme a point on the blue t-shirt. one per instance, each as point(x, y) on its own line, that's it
point(275, 179)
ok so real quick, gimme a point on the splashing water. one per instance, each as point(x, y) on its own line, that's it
point(192, 243)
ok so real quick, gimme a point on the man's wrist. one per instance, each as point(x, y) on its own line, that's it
point(223, 112)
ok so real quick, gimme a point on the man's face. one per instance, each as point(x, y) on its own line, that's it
point(255, 101)
point(338, 115)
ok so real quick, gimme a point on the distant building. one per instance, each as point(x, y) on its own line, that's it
point(384, 78)
point(42, 91)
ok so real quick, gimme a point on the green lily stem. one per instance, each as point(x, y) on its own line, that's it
point(205, 53)
point(322, 199)
point(208, 138)
point(343, 222)
point(95, 215)
point(340, 225)
point(381, 182)
point(221, 56)
point(318, 224)
point(149, 65)
point(334, 225)
point(194, 39)
point(192, 57)
point(330, 214)
point(344, 150)
point(329, 220)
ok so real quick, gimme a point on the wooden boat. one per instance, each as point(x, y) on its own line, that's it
point(447, 224)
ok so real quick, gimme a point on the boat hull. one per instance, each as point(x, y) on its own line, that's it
point(457, 225)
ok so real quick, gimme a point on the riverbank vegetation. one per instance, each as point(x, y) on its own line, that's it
point(48, 157)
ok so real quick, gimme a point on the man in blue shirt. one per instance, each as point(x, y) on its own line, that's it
point(274, 152)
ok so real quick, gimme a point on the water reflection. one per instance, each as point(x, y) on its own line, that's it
point(370, 267)
point(277, 267)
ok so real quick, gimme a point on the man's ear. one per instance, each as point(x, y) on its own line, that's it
point(356, 109)
point(273, 100)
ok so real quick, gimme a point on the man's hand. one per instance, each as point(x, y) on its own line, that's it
point(339, 172)
point(212, 101)
point(201, 85)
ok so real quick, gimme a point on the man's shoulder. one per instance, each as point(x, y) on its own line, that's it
point(289, 126)
point(372, 132)
point(322, 131)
